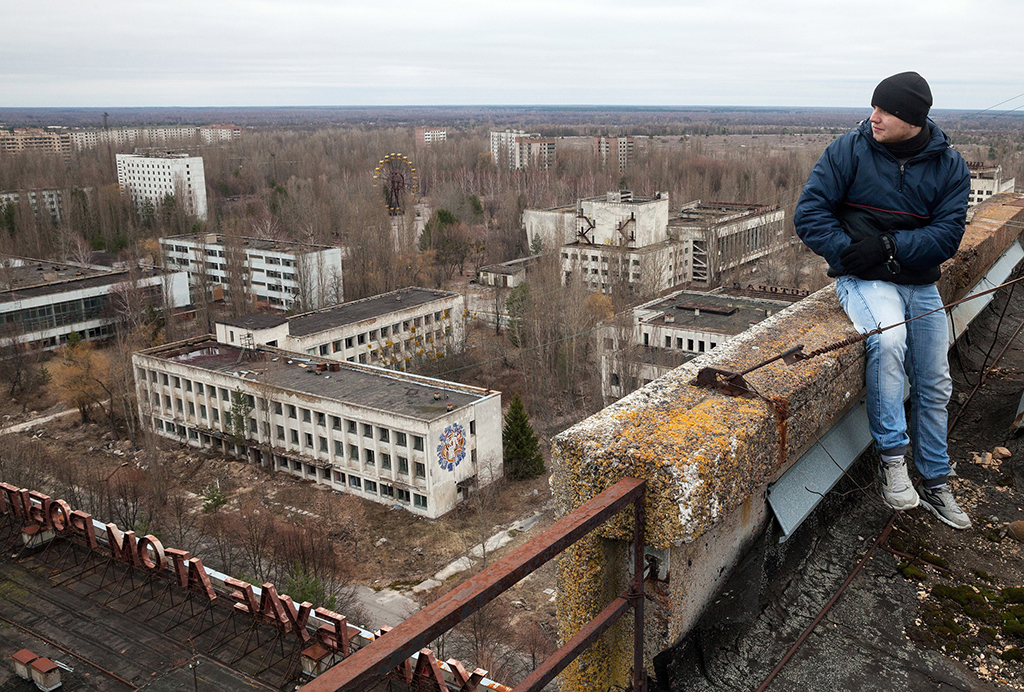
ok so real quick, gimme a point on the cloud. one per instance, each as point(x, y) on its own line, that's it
point(734, 52)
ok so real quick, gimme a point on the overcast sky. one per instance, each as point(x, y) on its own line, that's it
point(293, 53)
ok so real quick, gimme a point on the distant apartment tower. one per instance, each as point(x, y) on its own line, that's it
point(518, 150)
point(150, 178)
point(987, 181)
point(618, 150)
point(50, 141)
point(219, 132)
point(286, 275)
point(430, 135)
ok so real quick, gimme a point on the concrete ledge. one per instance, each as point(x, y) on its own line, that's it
point(708, 457)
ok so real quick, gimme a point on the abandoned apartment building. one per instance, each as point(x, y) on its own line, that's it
point(397, 330)
point(394, 438)
point(284, 275)
point(666, 332)
point(635, 241)
point(42, 302)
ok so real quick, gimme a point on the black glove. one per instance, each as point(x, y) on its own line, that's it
point(863, 256)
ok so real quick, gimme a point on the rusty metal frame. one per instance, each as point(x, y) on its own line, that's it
point(381, 656)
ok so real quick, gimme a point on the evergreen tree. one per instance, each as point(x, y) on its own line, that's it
point(521, 446)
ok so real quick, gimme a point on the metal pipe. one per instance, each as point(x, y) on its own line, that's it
point(567, 653)
point(637, 597)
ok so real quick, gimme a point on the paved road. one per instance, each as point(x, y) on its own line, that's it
point(26, 425)
point(385, 607)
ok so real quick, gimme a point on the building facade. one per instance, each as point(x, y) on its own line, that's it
point(430, 135)
point(616, 150)
point(393, 438)
point(507, 274)
point(517, 150)
point(396, 330)
point(637, 243)
point(987, 181)
point(46, 201)
point(150, 178)
point(46, 140)
point(284, 275)
point(42, 302)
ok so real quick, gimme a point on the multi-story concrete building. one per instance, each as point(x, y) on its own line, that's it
point(430, 135)
point(47, 140)
point(723, 240)
point(155, 136)
point(666, 332)
point(630, 241)
point(987, 181)
point(46, 201)
point(518, 150)
point(618, 150)
point(285, 275)
point(150, 178)
point(42, 302)
point(389, 437)
point(219, 132)
point(395, 330)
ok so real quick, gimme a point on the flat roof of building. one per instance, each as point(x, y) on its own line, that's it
point(363, 309)
point(110, 642)
point(254, 320)
point(710, 213)
point(34, 278)
point(287, 246)
point(711, 312)
point(360, 385)
point(510, 267)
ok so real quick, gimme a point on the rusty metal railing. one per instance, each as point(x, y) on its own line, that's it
point(381, 656)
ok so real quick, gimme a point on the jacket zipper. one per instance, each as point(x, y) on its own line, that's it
point(902, 168)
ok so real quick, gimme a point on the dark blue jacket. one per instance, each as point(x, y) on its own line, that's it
point(858, 189)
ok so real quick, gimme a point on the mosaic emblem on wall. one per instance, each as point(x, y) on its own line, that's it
point(452, 449)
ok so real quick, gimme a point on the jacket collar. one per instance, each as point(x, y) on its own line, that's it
point(937, 143)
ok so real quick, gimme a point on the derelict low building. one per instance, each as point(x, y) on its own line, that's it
point(392, 437)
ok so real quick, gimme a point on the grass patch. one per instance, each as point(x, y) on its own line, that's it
point(1012, 654)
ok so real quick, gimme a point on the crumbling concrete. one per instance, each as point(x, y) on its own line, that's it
point(708, 459)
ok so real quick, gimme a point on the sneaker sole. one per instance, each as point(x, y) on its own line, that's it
point(942, 518)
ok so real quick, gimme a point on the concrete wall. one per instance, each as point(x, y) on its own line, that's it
point(649, 221)
point(555, 227)
point(708, 458)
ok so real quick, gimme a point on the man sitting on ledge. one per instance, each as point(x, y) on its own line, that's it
point(885, 205)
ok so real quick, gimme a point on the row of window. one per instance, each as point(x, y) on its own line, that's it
point(339, 477)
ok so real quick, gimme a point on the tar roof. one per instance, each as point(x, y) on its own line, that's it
point(254, 320)
point(288, 247)
point(359, 310)
point(38, 278)
point(359, 385)
point(712, 313)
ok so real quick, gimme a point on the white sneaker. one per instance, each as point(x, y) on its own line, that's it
point(897, 490)
point(940, 502)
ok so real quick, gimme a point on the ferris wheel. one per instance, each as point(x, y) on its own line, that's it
point(396, 178)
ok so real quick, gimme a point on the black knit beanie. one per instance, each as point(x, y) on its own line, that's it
point(905, 95)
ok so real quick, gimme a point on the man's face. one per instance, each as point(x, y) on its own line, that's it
point(888, 129)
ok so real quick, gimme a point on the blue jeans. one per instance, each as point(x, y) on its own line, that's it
point(918, 349)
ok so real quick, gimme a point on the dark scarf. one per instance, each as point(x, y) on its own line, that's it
point(910, 148)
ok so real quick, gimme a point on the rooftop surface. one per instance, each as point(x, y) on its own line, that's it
point(268, 245)
point(717, 313)
point(712, 213)
point(254, 320)
point(37, 616)
point(354, 384)
point(38, 278)
point(359, 310)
